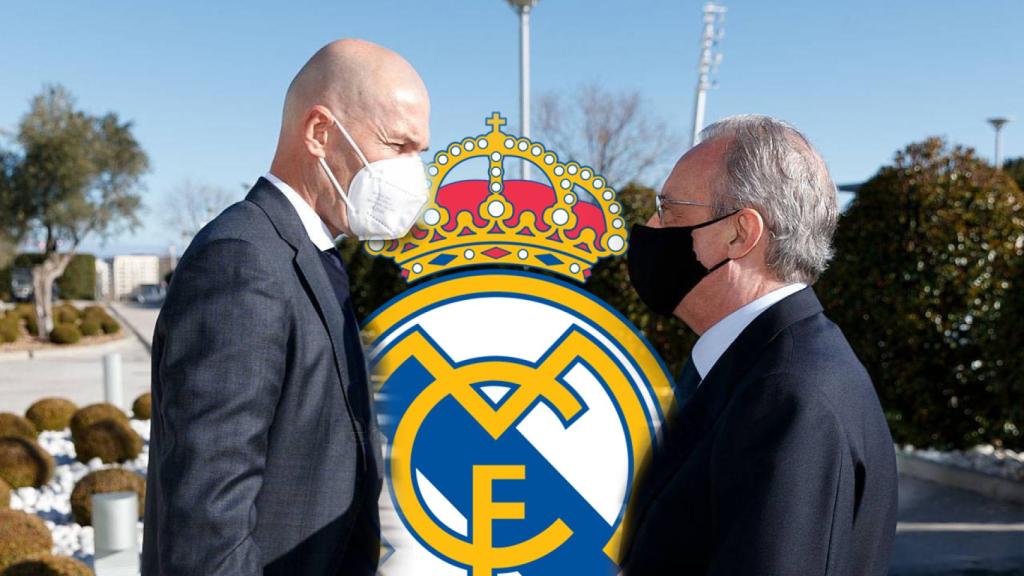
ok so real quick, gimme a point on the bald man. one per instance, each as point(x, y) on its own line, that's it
point(263, 451)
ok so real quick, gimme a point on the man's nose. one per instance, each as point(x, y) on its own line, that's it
point(654, 221)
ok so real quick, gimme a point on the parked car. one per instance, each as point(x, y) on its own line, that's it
point(21, 286)
point(149, 294)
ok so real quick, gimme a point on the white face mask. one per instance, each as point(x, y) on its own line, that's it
point(386, 196)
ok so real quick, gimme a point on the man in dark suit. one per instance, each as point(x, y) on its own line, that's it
point(263, 454)
point(777, 458)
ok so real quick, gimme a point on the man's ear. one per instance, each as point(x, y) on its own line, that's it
point(749, 227)
point(316, 130)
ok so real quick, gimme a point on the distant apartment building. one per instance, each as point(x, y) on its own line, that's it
point(130, 272)
point(103, 289)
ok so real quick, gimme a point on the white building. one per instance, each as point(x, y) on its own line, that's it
point(102, 279)
point(130, 272)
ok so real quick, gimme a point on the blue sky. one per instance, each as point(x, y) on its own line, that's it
point(204, 81)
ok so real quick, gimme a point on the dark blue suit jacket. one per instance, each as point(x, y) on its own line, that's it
point(262, 453)
point(781, 463)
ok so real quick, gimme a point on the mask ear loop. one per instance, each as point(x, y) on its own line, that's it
point(337, 185)
point(352, 143)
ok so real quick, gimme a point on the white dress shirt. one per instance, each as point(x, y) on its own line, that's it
point(315, 227)
point(713, 343)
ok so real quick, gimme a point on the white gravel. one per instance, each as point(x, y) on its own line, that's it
point(983, 458)
point(52, 501)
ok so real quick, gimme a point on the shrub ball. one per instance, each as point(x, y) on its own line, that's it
point(51, 413)
point(142, 408)
point(104, 482)
point(93, 413)
point(66, 314)
point(109, 440)
point(90, 328)
point(22, 536)
point(65, 334)
point(23, 462)
point(48, 565)
point(109, 325)
point(14, 425)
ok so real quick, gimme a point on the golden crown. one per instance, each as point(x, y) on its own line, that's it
point(565, 225)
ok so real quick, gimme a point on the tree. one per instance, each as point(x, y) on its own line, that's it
point(1015, 168)
point(192, 205)
point(74, 175)
point(926, 285)
point(612, 132)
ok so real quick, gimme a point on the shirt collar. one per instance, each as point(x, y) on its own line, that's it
point(717, 339)
point(311, 221)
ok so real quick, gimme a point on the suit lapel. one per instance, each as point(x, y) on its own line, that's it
point(282, 215)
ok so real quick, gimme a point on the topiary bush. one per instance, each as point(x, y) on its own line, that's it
point(109, 440)
point(104, 482)
point(929, 259)
point(93, 413)
point(22, 536)
point(14, 425)
point(109, 325)
point(51, 413)
point(65, 334)
point(66, 314)
point(23, 462)
point(5, 494)
point(90, 328)
point(142, 408)
point(48, 565)
point(10, 328)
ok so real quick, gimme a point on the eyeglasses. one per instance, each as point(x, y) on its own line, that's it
point(660, 201)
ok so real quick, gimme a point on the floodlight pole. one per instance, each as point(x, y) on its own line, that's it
point(710, 58)
point(524, 7)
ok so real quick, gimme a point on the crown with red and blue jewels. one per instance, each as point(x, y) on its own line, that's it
point(564, 225)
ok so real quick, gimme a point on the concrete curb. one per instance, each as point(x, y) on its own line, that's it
point(961, 478)
point(125, 323)
point(72, 352)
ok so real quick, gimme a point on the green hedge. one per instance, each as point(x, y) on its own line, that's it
point(927, 285)
point(77, 283)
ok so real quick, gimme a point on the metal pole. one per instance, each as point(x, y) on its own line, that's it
point(115, 520)
point(524, 80)
point(113, 384)
point(706, 64)
point(998, 124)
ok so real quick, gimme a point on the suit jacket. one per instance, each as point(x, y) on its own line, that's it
point(781, 463)
point(259, 462)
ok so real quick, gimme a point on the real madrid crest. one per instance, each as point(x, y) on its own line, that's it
point(516, 407)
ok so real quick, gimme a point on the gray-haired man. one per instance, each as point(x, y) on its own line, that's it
point(777, 459)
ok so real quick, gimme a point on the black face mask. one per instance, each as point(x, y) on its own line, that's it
point(662, 265)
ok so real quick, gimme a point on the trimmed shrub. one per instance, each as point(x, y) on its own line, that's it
point(93, 413)
point(65, 334)
point(48, 565)
point(90, 327)
point(51, 413)
point(142, 408)
point(9, 333)
point(22, 536)
point(14, 425)
point(104, 482)
point(109, 440)
point(23, 462)
point(5, 494)
point(66, 314)
point(109, 325)
point(929, 263)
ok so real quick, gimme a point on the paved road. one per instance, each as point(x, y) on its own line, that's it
point(946, 532)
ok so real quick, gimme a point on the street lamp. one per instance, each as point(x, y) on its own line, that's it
point(998, 124)
point(523, 7)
